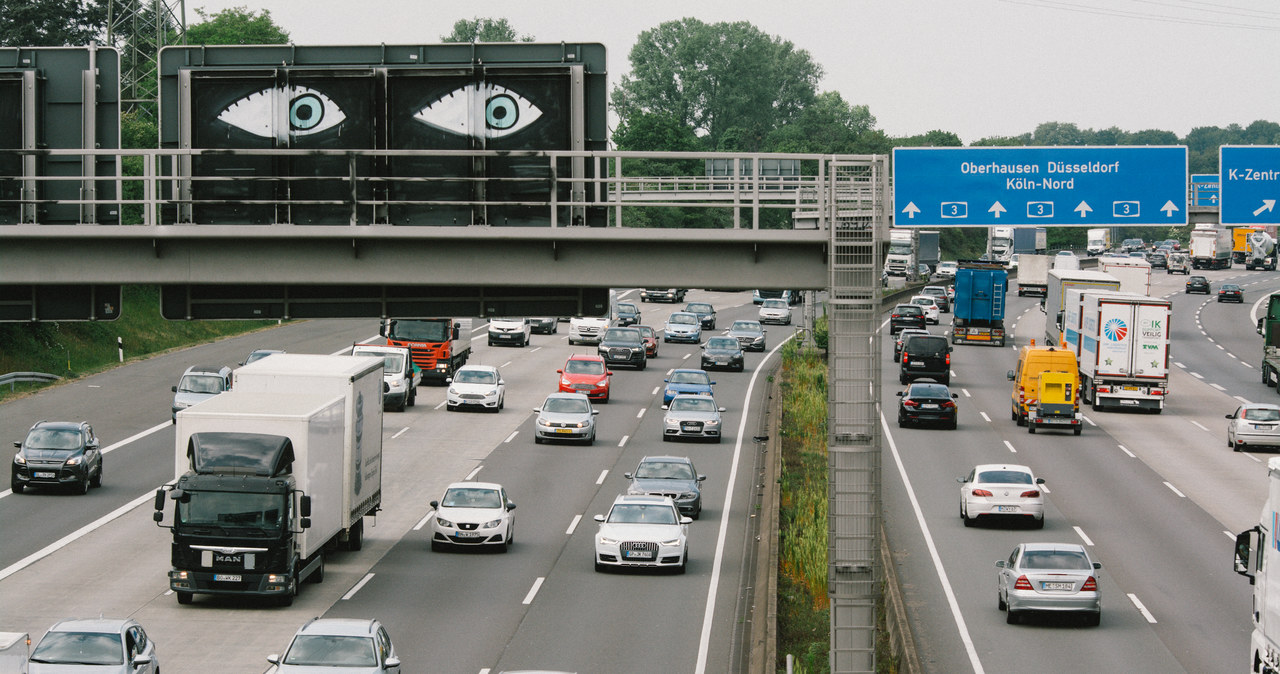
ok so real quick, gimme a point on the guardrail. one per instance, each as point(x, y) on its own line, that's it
point(13, 378)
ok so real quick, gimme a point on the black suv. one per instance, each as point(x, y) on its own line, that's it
point(662, 295)
point(706, 314)
point(906, 316)
point(925, 356)
point(56, 454)
point(1198, 284)
point(623, 346)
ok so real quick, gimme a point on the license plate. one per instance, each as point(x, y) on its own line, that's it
point(43, 474)
point(917, 363)
point(1130, 388)
point(928, 406)
point(227, 577)
point(1262, 427)
point(1055, 586)
point(466, 534)
point(564, 430)
point(1007, 509)
point(638, 554)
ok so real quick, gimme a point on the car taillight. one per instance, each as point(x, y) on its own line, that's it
point(948, 360)
point(981, 492)
point(1024, 584)
point(1034, 493)
point(896, 316)
point(909, 403)
point(1090, 585)
point(904, 357)
point(948, 404)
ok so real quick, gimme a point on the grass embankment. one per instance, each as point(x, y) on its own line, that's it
point(76, 349)
point(804, 613)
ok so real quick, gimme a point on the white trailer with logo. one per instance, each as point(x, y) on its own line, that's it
point(1121, 341)
point(1134, 273)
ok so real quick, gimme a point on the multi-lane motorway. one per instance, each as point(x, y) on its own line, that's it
point(542, 606)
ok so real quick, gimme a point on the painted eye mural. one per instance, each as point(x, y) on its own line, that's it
point(309, 111)
point(505, 111)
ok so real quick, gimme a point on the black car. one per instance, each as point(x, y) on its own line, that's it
point(722, 353)
point(902, 338)
point(58, 454)
point(673, 476)
point(927, 403)
point(544, 325)
point(925, 356)
point(1230, 292)
point(1159, 260)
point(662, 295)
point(1198, 284)
point(906, 316)
point(623, 346)
point(706, 314)
point(628, 314)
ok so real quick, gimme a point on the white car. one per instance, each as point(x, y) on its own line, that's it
point(339, 644)
point(946, 269)
point(642, 531)
point(587, 329)
point(473, 514)
point(512, 331)
point(115, 645)
point(1254, 425)
point(479, 386)
point(1001, 490)
point(775, 311)
point(929, 305)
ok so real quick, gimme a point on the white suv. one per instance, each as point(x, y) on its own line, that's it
point(513, 331)
point(587, 329)
point(947, 269)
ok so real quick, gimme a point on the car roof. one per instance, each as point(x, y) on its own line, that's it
point(586, 356)
point(207, 369)
point(688, 369)
point(352, 627)
point(1064, 547)
point(481, 368)
point(668, 459)
point(571, 396)
point(931, 298)
point(473, 485)
point(1000, 466)
point(1261, 406)
point(63, 425)
point(927, 385)
point(644, 498)
point(102, 625)
point(686, 313)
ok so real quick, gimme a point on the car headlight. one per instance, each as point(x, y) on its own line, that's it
point(565, 382)
point(580, 424)
point(491, 524)
point(492, 392)
point(603, 382)
point(396, 384)
point(686, 495)
point(444, 523)
point(18, 459)
point(75, 460)
point(542, 422)
point(711, 422)
point(670, 543)
point(453, 391)
point(605, 540)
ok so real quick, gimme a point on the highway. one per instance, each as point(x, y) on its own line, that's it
point(540, 606)
point(1156, 498)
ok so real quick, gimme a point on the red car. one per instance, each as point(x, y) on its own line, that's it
point(586, 374)
point(650, 340)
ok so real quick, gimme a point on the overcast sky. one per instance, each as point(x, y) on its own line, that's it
point(974, 67)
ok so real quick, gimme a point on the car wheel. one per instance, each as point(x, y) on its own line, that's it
point(1237, 447)
point(643, 365)
point(952, 425)
point(84, 485)
point(591, 440)
point(96, 482)
point(1013, 414)
point(437, 546)
point(184, 598)
point(1031, 428)
point(16, 487)
point(902, 422)
point(1013, 617)
point(1000, 605)
point(684, 562)
point(902, 379)
point(666, 438)
point(511, 535)
point(404, 402)
point(1093, 619)
point(537, 439)
point(491, 342)
point(599, 567)
point(502, 401)
point(665, 340)
point(1037, 523)
point(968, 521)
point(1078, 429)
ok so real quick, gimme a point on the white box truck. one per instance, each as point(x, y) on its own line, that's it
point(1098, 241)
point(14, 652)
point(901, 258)
point(1134, 273)
point(1062, 280)
point(1033, 275)
point(1211, 247)
point(1121, 341)
point(1264, 644)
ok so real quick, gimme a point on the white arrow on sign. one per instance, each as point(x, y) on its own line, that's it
point(911, 210)
point(1214, 200)
point(1168, 208)
point(1083, 209)
point(996, 208)
point(1267, 205)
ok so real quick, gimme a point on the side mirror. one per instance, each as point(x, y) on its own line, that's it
point(721, 409)
point(559, 371)
point(537, 409)
point(666, 407)
point(173, 388)
point(382, 331)
point(960, 480)
point(1097, 565)
point(955, 395)
point(594, 412)
point(599, 518)
point(304, 506)
point(511, 506)
point(627, 475)
point(1039, 480)
point(392, 662)
point(686, 520)
point(449, 380)
point(1231, 416)
point(702, 478)
point(1009, 375)
point(435, 504)
point(305, 523)
point(1243, 540)
point(900, 393)
point(159, 502)
point(1000, 564)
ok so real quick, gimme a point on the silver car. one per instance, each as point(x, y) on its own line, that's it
point(692, 416)
point(750, 335)
point(565, 416)
point(95, 645)
point(672, 476)
point(1254, 425)
point(347, 645)
point(1048, 577)
point(646, 531)
point(682, 326)
point(775, 311)
point(1000, 490)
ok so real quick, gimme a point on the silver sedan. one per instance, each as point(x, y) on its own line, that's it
point(1254, 425)
point(692, 416)
point(1048, 577)
point(992, 491)
point(565, 416)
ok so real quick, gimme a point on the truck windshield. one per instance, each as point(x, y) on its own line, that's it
point(900, 248)
point(232, 509)
point(419, 331)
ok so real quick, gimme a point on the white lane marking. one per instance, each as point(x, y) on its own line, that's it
point(1126, 451)
point(425, 518)
point(984, 416)
point(1088, 420)
point(400, 432)
point(573, 525)
point(471, 476)
point(950, 594)
point(1175, 490)
point(536, 349)
point(603, 474)
point(352, 592)
point(136, 436)
point(686, 356)
point(533, 591)
point(1180, 365)
point(1197, 375)
point(704, 642)
point(1252, 457)
point(1010, 446)
point(1217, 386)
point(505, 364)
point(1086, 539)
point(655, 390)
point(1241, 399)
point(512, 436)
point(623, 441)
point(1220, 347)
point(442, 404)
point(1142, 609)
point(966, 392)
point(1211, 341)
point(1045, 488)
point(73, 536)
point(1229, 535)
point(641, 413)
point(1231, 355)
point(1198, 425)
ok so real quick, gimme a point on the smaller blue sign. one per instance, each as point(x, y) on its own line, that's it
point(1250, 184)
point(1204, 189)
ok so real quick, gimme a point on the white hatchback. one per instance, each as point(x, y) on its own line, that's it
point(478, 386)
point(473, 514)
point(928, 304)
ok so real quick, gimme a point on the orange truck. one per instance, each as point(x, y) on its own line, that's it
point(439, 345)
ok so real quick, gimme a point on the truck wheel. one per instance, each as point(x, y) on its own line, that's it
point(184, 598)
point(413, 396)
point(404, 402)
point(1078, 429)
point(1031, 428)
point(317, 576)
point(286, 599)
point(1266, 375)
point(355, 536)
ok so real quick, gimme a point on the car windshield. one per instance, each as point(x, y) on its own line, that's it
point(566, 405)
point(1004, 477)
point(324, 650)
point(1074, 560)
point(923, 301)
point(393, 362)
point(646, 332)
point(683, 319)
point(1261, 414)
point(584, 367)
point(745, 326)
point(722, 343)
point(80, 648)
point(908, 310)
point(689, 378)
point(699, 308)
point(465, 376)
point(642, 513)
point(664, 470)
point(472, 497)
point(627, 309)
point(622, 335)
point(774, 304)
point(200, 383)
point(1230, 286)
point(929, 391)
point(927, 345)
point(50, 438)
point(693, 404)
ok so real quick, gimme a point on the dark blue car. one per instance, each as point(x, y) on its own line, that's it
point(684, 380)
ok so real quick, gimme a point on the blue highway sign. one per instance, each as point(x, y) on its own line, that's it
point(1250, 184)
point(1054, 186)
point(1204, 189)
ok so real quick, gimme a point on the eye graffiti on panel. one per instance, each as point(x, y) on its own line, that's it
point(505, 112)
point(309, 112)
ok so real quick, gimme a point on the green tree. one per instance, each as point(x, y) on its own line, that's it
point(1058, 133)
point(236, 25)
point(828, 125)
point(52, 23)
point(484, 30)
point(1003, 141)
point(717, 77)
point(935, 138)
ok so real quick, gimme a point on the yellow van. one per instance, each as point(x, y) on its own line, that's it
point(1032, 361)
